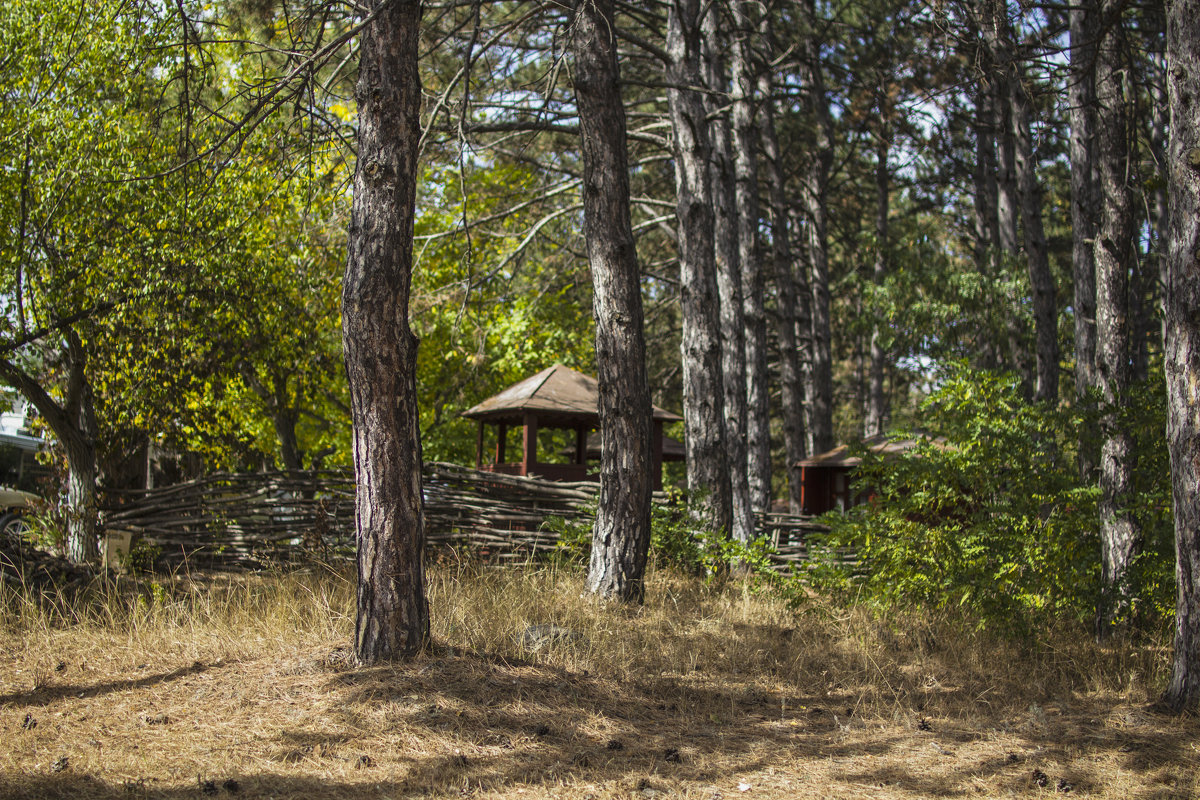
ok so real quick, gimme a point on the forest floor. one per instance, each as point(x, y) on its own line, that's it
point(241, 686)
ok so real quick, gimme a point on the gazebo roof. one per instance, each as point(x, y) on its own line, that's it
point(556, 392)
point(672, 449)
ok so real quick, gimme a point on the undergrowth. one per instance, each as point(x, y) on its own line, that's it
point(732, 630)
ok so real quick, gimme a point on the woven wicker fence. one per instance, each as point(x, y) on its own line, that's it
point(241, 519)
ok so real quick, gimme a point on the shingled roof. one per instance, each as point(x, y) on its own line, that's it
point(556, 392)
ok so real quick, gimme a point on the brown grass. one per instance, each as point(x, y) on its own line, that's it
point(238, 686)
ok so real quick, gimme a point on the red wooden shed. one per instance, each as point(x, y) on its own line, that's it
point(557, 397)
point(827, 480)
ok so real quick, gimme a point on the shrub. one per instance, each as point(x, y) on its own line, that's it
point(992, 515)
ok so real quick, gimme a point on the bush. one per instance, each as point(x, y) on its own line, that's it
point(992, 514)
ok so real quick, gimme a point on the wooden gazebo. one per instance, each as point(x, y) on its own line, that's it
point(557, 397)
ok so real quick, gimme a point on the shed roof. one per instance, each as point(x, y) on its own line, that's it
point(882, 444)
point(556, 391)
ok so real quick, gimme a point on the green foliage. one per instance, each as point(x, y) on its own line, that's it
point(490, 308)
point(141, 557)
point(46, 527)
point(991, 513)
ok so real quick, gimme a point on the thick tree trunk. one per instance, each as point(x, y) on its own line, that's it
point(1085, 201)
point(1119, 537)
point(876, 410)
point(621, 537)
point(82, 544)
point(1183, 341)
point(729, 287)
point(703, 395)
point(1041, 280)
point(791, 380)
point(77, 433)
point(380, 349)
point(745, 155)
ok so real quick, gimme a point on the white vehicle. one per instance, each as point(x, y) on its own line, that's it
point(14, 504)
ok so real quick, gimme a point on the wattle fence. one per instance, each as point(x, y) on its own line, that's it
point(250, 519)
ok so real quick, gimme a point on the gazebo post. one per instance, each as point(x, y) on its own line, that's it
point(657, 460)
point(529, 456)
point(581, 445)
point(479, 446)
point(501, 441)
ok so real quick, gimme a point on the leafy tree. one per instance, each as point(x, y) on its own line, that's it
point(91, 253)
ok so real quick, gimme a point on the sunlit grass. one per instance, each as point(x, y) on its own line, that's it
point(159, 685)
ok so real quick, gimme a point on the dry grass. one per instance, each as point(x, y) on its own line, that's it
point(236, 687)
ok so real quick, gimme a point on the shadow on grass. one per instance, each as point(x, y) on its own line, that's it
point(457, 723)
point(43, 695)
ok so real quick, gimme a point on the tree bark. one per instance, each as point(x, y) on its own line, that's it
point(729, 286)
point(1119, 536)
point(1041, 280)
point(380, 349)
point(745, 156)
point(998, 33)
point(815, 183)
point(986, 193)
point(703, 395)
point(1182, 354)
point(876, 410)
point(1085, 201)
point(621, 537)
point(791, 380)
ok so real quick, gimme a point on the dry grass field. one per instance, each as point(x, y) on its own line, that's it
point(240, 687)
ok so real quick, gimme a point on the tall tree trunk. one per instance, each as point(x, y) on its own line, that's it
point(815, 184)
point(791, 381)
point(1041, 280)
point(703, 395)
point(745, 156)
point(998, 33)
point(986, 194)
point(1119, 536)
point(729, 286)
point(380, 349)
point(79, 441)
point(876, 411)
point(1159, 205)
point(1085, 199)
point(1183, 341)
point(1156, 271)
point(621, 537)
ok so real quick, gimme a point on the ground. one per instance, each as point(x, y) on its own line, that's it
point(245, 688)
